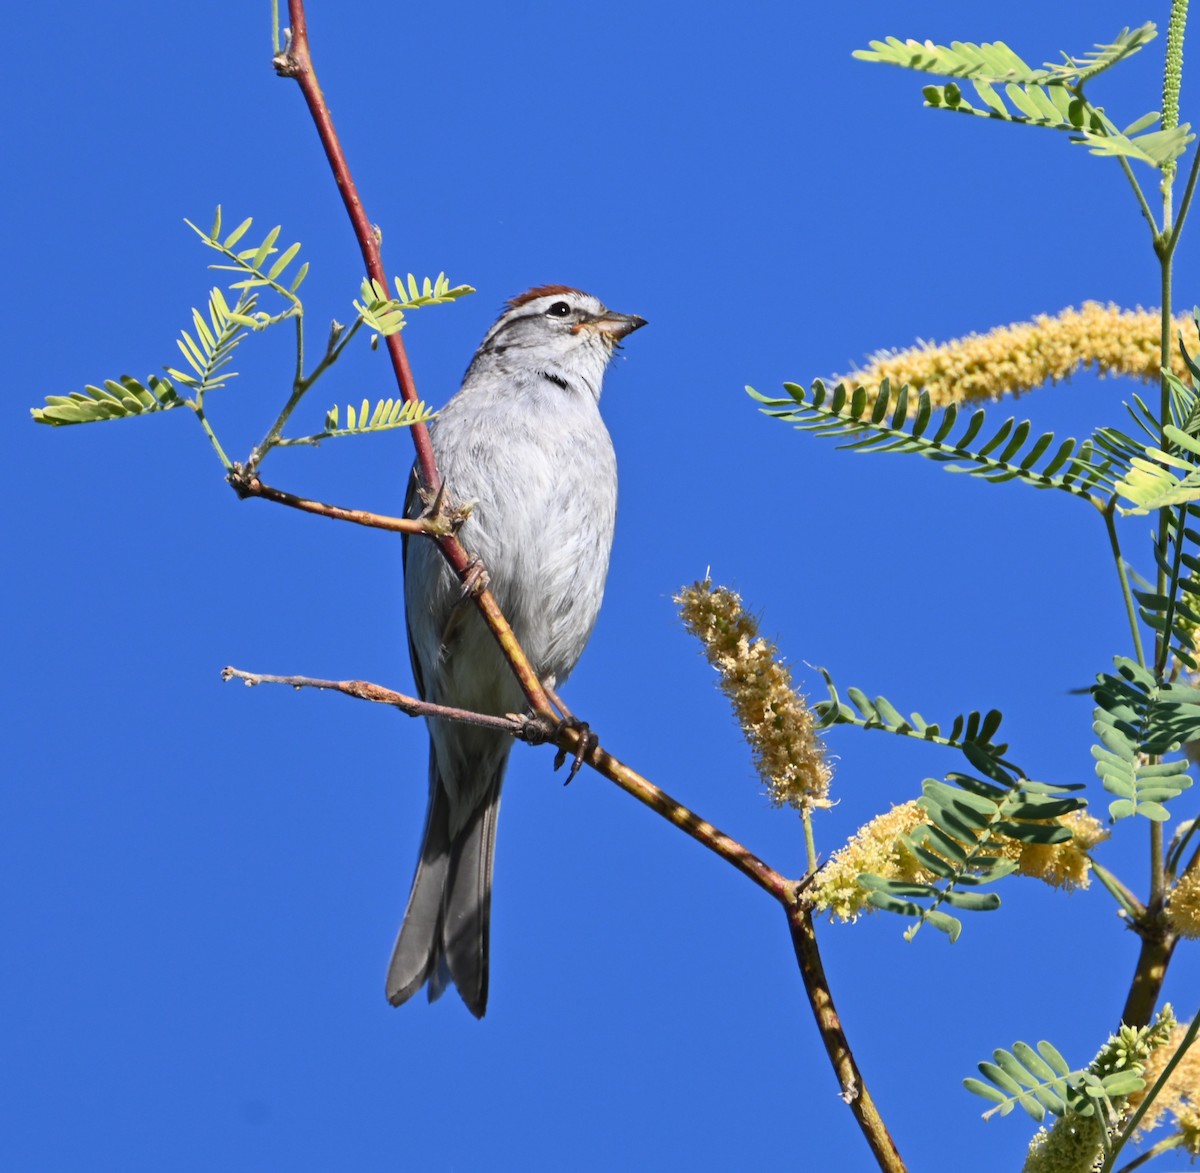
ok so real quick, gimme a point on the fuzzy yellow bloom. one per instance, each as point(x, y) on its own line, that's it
point(1180, 1099)
point(1016, 358)
point(777, 723)
point(879, 849)
point(1183, 905)
point(1061, 865)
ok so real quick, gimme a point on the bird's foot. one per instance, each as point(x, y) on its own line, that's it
point(475, 578)
point(538, 729)
point(587, 741)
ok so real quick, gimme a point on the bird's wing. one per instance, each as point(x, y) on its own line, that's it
point(456, 614)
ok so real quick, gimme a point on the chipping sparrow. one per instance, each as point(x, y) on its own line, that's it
point(524, 440)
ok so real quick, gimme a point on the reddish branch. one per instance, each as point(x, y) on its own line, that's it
point(296, 62)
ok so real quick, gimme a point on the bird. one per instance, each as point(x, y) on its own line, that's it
point(523, 444)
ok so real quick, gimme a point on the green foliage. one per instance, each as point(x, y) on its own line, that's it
point(970, 820)
point(997, 64)
point(1041, 1081)
point(385, 315)
point(208, 347)
point(888, 423)
point(1173, 612)
point(1011, 90)
point(1164, 469)
point(1139, 719)
point(211, 350)
point(207, 352)
point(249, 262)
point(115, 400)
point(880, 713)
point(365, 420)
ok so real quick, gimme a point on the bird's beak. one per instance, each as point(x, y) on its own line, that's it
point(614, 326)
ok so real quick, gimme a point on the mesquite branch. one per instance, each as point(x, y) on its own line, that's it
point(296, 62)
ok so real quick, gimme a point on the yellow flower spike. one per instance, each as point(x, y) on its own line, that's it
point(1010, 360)
point(776, 722)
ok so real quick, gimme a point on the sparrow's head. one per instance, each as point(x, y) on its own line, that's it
point(556, 333)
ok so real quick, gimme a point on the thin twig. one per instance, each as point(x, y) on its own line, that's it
point(1141, 199)
point(1184, 206)
point(1164, 1146)
point(536, 733)
point(1126, 594)
point(364, 690)
point(658, 800)
point(251, 486)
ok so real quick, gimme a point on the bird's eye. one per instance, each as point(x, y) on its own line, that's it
point(560, 309)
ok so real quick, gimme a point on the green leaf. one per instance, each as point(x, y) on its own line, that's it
point(1139, 719)
point(366, 419)
point(996, 63)
point(1050, 96)
point(385, 315)
point(211, 351)
point(250, 262)
point(961, 845)
point(1039, 1081)
point(862, 422)
point(236, 234)
point(116, 400)
point(427, 293)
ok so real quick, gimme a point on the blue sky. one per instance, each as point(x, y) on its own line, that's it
point(202, 883)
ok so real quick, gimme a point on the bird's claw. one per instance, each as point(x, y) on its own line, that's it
point(537, 729)
point(587, 742)
point(475, 579)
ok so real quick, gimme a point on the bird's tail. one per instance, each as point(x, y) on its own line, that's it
point(444, 937)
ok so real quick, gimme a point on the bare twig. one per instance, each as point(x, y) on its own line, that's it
point(364, 690)
point(250, 486)
point(1175, 1141)
point(536, 732)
